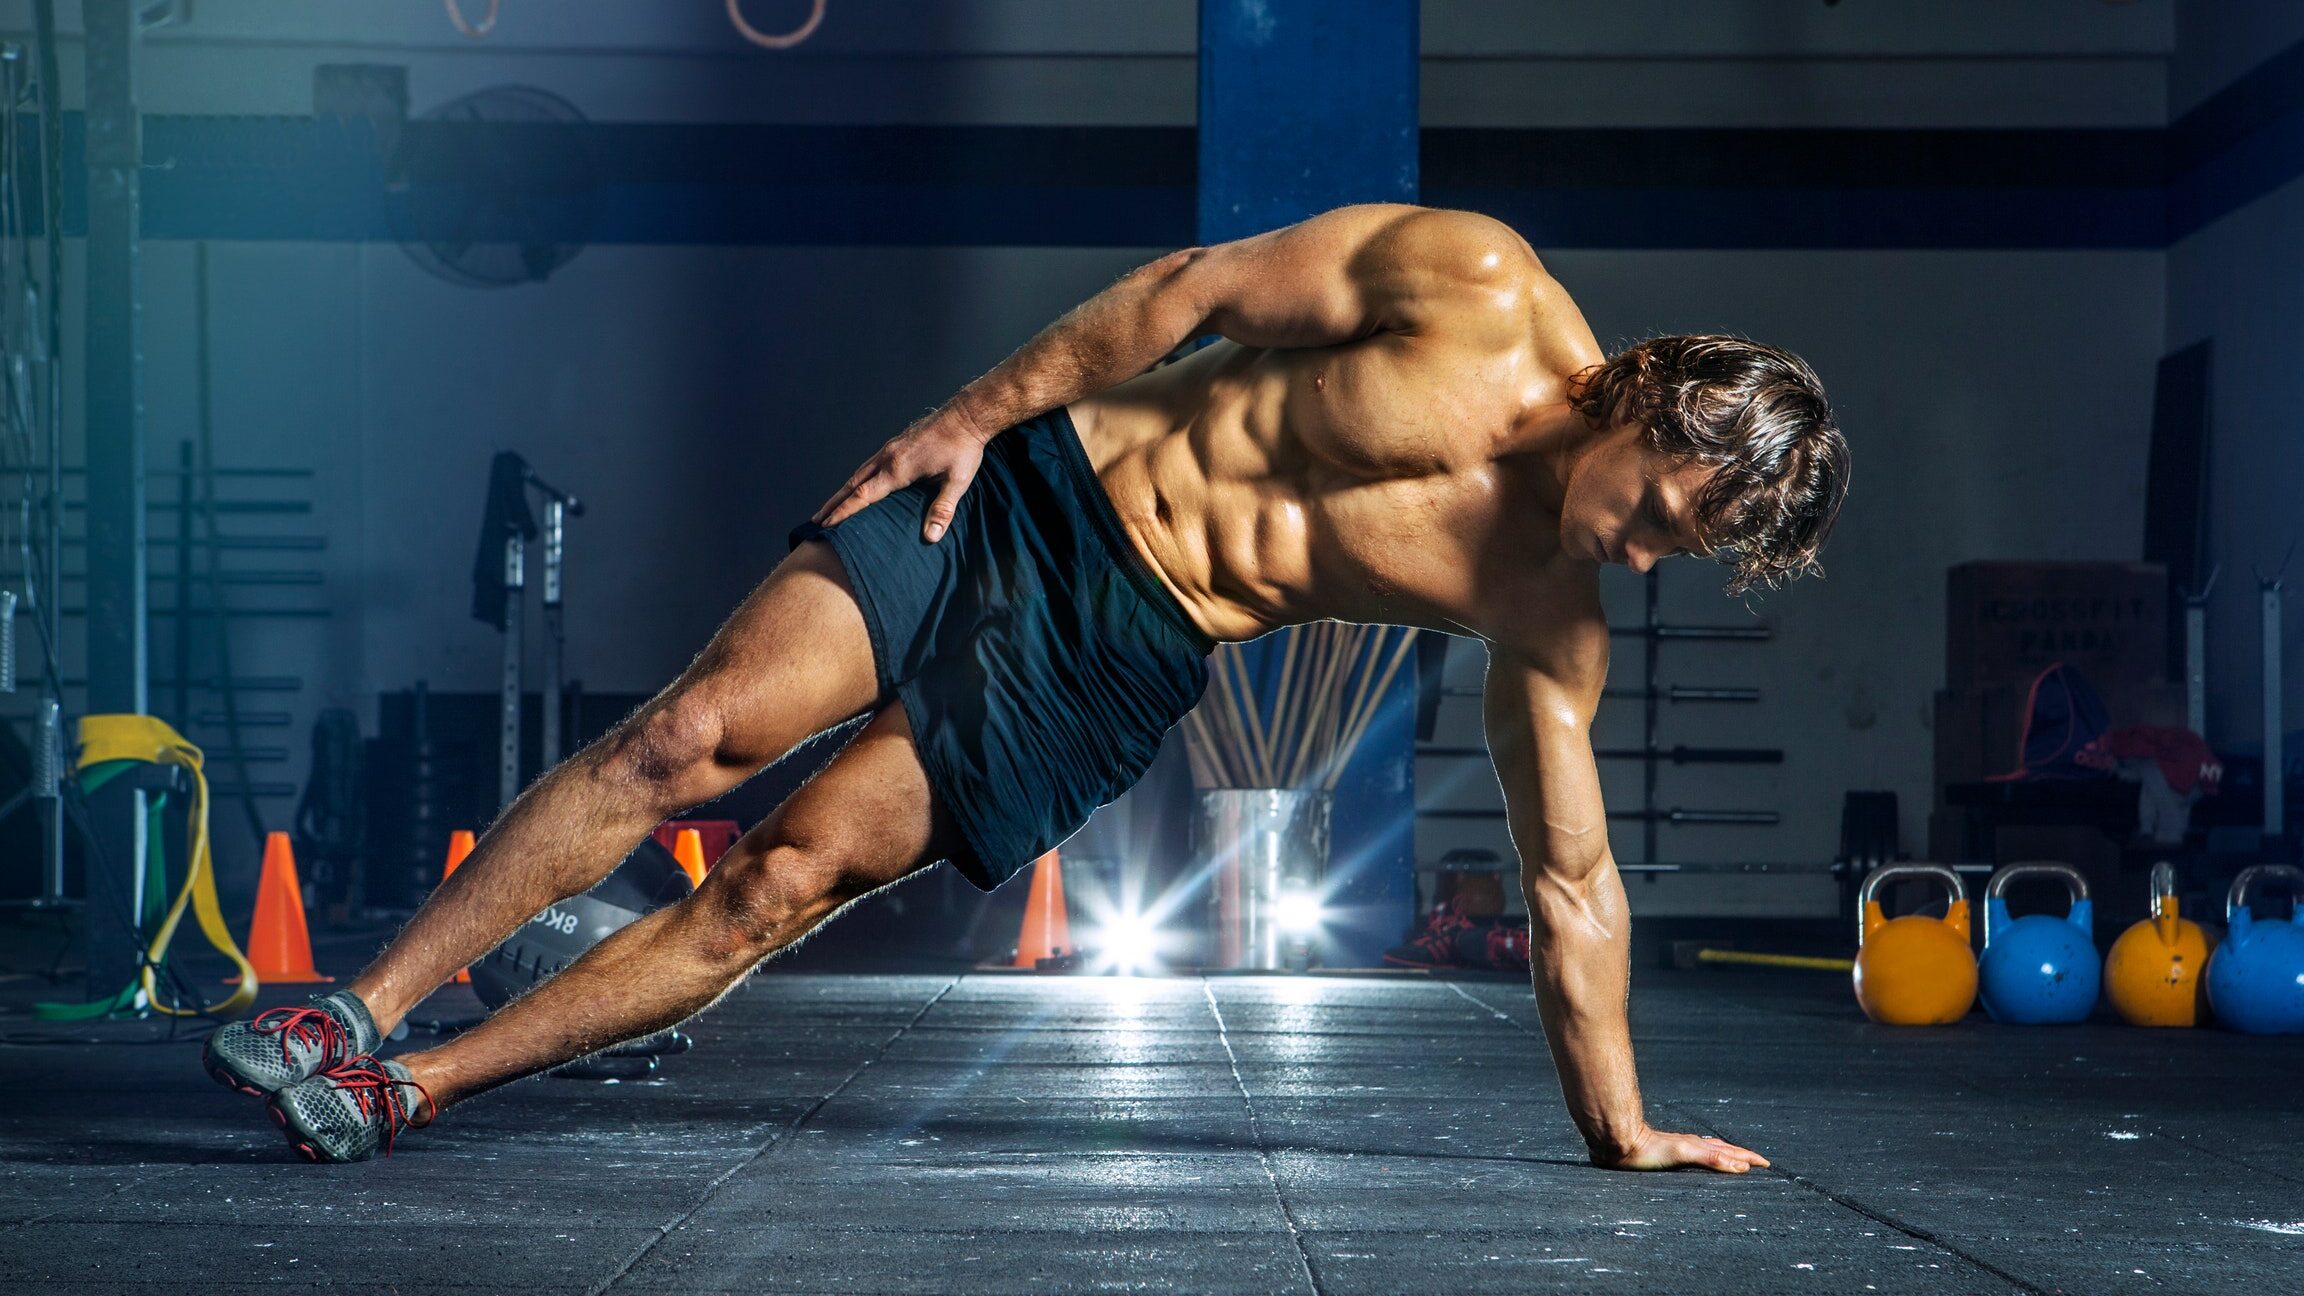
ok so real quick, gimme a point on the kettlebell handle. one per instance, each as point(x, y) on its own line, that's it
point(2082, 913)
point(2162, 905)
point(2073, 881)
point(1866, 894)
point(2236, 899)
point(2163, 886)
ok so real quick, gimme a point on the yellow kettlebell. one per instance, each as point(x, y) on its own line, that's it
point(1914, 970)
point(2154, 975)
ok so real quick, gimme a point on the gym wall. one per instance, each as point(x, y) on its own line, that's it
point(702, 397)
point(2229, 281)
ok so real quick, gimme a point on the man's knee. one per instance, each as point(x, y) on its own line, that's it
point(760, 902)
point(670, 747)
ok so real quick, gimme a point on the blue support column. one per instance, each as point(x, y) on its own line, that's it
point(1306, 105)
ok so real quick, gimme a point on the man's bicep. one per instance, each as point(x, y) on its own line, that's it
point(1348, 274)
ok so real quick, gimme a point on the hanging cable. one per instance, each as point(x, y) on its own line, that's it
point(474, 30)
point(767, 40)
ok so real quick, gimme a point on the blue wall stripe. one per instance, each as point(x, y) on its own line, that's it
point(322, 179)
point(2238, 145)
point(325, 179)
point(1808, 159)
point(1788, 217)
point(2255, 100)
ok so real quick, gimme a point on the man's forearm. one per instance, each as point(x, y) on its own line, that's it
point(1581, 964)
point(1101, 343)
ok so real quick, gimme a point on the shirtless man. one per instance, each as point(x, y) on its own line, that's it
point(1406, 421)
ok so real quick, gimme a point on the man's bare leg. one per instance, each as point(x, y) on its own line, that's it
point(866, 821)
point(793, 660)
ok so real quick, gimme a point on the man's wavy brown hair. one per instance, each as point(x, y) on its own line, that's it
point(1757, 417)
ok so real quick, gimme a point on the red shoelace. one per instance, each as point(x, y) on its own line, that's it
point(308, 1026)
point(1508, 947)
point(376, 1089)
point(1439, 936)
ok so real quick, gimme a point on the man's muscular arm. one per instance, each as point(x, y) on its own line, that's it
point(1538, 709)
point(1338, 277)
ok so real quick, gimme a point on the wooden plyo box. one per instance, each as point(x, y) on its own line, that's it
point(2005, 622)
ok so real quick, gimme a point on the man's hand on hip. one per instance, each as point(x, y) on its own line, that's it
point(1655, 1149)
point(945, 444)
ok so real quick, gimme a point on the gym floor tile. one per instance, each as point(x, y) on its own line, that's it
point(996, 1133)
point(776, 1256)
point(1017, 1043)
point(1638, 1257)
point(193, 1255)
point(1039, 1192)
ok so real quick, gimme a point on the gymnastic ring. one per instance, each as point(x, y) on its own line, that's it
point(767, 40)
point(477, 31)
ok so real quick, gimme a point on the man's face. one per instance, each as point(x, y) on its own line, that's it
point(1626, 504)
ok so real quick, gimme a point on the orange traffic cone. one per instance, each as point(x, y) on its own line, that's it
point(1045, 943)
point(279, 946)
point(688, 849)
point(460, 844)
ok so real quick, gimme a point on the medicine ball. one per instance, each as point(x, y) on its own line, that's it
point(647, 880)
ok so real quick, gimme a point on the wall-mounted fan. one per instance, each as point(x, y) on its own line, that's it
point(494, 189)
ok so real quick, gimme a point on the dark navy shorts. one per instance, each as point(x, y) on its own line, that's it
point(1039, 659)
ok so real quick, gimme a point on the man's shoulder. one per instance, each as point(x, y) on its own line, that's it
point(1479, 282)
point(1468, 243)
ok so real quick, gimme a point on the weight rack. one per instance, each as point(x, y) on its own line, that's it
point(1653, 632)
point(177, 550)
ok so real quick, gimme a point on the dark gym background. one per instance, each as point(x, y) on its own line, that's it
point(782, 262)
point(1987, 225)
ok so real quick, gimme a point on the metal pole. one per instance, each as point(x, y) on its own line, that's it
point(48, 733)
point(51, 608)
point(2196, 665)
point(117, 647)
point(118, 662)
point(2196, 652)
point(180, 644)
point(555, 552)
point(47, 780)
point(1649, 717)
point(508, 727)
point(22, 403)
point(2275, 781)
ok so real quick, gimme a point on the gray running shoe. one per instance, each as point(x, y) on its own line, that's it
point(350, 1110)
point(285, 1045)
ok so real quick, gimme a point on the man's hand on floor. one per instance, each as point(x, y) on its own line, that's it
point(945, 444)
point(1658, 1150)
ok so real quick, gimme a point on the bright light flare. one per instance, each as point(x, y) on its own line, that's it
point(1299, 912)
point(1130, 943)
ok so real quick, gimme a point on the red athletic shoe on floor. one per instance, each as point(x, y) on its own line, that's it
point(1506, 947)
point(1435, 946)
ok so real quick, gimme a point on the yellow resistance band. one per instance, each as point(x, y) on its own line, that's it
point(149, 739)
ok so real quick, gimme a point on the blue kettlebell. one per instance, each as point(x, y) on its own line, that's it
point(2039, 969)
point(2256, 977)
